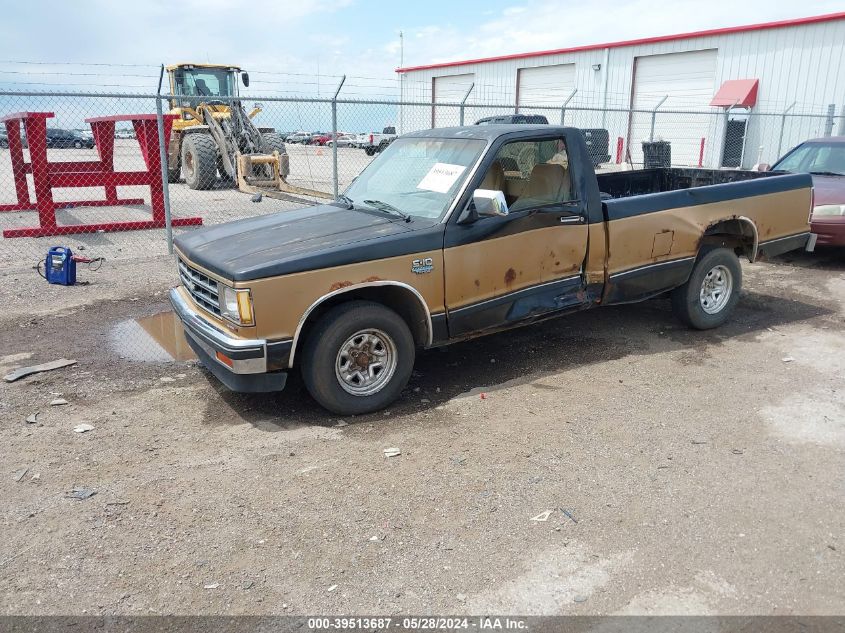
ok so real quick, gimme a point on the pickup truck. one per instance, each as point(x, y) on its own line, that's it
point(374, 142)
point(452, 233)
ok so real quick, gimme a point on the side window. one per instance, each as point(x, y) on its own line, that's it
point(531, 174)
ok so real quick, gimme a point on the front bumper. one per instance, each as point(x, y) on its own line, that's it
point(251, 359)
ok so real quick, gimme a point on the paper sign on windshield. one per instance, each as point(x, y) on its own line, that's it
point(441, 177)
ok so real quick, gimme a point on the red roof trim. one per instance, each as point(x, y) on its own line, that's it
point(829, 17)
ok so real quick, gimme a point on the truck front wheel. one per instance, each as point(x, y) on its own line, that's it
point(711, 293)
point(358, 358)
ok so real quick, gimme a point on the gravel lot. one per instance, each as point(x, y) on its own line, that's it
point(700, 472)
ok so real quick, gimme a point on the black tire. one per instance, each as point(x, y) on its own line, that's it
point(270, 142)
point(322, 353)
point(199, 160)
point(174, 174)
point(715, 269)
point(221, 169)
point(77, 144)
point(370, 151)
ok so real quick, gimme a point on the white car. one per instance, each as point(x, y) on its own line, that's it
point(298, 137)
point(344, 140)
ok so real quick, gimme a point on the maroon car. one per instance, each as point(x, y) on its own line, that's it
point(824, 158)
point(321, 138)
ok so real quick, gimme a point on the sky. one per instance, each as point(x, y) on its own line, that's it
point(303, 47)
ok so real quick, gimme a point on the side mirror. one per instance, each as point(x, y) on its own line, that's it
point(489, 203)
point(245, 79)
point(762, 167)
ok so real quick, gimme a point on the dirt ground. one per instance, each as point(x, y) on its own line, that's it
point(684, 472)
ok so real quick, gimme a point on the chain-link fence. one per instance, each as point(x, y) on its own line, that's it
point(102, 174)
point(88, 168)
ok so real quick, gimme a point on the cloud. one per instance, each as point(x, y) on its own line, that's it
point(338, 36)
point(550, 24)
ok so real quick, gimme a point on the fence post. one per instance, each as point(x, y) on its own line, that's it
point(782, 125)
point(464, 100)
point(565, 103)
point(654, 117)
point(162, 151)
point(334, 136)
point(744, 140)
point(828, 124)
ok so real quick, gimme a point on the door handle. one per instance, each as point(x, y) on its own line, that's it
point(571, 219)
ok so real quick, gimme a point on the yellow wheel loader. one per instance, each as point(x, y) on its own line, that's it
point(215, 134)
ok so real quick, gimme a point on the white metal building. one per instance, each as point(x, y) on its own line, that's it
point(798, 65)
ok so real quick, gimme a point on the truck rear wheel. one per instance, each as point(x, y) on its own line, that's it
point(711, 293)
point(358, 358)
point(370, 151)
point(199, 161)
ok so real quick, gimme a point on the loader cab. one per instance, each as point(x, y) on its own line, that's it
point(197, 83)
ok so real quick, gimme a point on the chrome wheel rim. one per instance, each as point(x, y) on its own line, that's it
point(366, 362)
point(716, 289)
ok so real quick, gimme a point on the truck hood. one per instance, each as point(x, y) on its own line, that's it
point(294, 241)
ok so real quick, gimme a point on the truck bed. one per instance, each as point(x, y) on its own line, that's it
point(656, 219)
point(624, 184)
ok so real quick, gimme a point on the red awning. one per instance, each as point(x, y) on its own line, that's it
point(741, 93)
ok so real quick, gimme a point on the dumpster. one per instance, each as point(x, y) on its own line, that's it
point(657, 154)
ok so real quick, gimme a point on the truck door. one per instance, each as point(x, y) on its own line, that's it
point(505, 269)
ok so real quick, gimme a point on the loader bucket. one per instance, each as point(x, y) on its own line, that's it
point(272, 181)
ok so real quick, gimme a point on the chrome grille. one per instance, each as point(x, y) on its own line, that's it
point(203, 289)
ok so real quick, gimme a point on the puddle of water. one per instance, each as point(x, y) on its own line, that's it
point(157, 338)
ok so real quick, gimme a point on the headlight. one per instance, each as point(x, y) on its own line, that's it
point(829, 209)
point(236, 305)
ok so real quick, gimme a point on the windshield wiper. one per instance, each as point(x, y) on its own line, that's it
point(826, 173)
point(389, 208)
point(347, 201)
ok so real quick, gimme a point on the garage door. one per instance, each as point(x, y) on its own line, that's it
point(545, 86)
point(688, 81)
point(450, 89)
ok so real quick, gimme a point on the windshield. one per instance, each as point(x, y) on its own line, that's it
point(420, 176)
point(815, 158)
point(205, 82)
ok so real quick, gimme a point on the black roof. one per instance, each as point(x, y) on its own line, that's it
point(483, 132)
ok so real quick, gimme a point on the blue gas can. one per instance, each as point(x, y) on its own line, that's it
point(60, 267)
